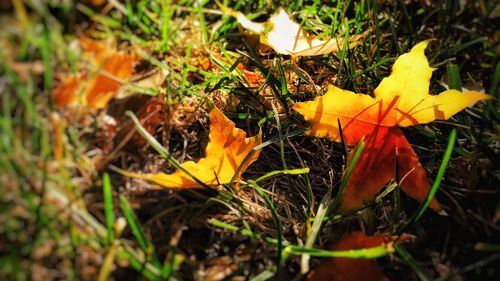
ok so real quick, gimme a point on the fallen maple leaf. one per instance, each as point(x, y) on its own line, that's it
point(346, 269)
point(288, 38)
point(97, 86)
point(226, 150)
point(402, 99)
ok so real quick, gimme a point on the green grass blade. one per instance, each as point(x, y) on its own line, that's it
point(147, 270)
point(318, 222)
point(104, 20)
point(246, 232)
point(454, 81)
point(47, 63)
point(265, 275)
point(442, 168)
point(108, 207)
point(366, 253)
point(107, 265)
point(409, 260)
point(279, 230)
point(281, 142)
point(495, 81)
point(347, 175)
point(487, 247)
point(302, 75)
point(185, 69)
point(202, 21)
point(135, 226)
point(282, 76)
point(7, 136)
point(281, 172)
point(327, 205)
point(133, 222)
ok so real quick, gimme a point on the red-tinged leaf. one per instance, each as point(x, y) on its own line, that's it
point(402, 99)
point(346, 269)
point(377, 166)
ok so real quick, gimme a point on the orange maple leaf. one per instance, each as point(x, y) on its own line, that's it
point(402, 99)
point(95, 88)
point(346, 269)
point(227, 149)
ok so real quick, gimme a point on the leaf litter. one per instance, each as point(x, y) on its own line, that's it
point(175, 118)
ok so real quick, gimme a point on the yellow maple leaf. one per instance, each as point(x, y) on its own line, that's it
point(288, 38)
point(227, 148)
point(402, 99)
